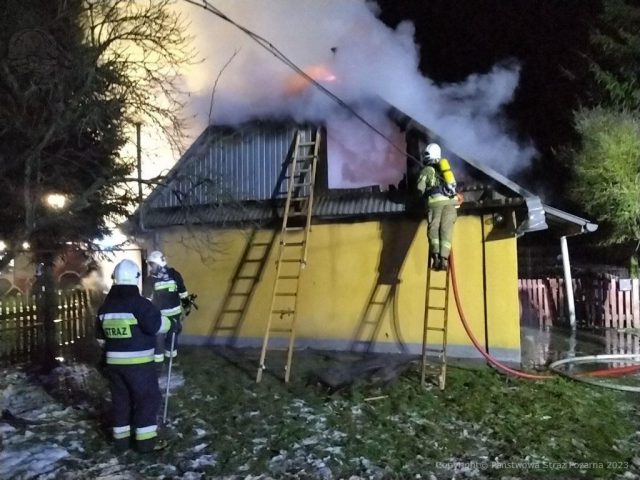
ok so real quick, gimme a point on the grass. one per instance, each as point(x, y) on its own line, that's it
point(484, 425)
point(481, 417)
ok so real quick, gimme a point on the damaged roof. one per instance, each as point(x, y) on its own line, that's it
point(233, 175)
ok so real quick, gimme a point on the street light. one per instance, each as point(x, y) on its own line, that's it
point(57, 201)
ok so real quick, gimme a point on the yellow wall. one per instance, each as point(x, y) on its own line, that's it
point(344, 263)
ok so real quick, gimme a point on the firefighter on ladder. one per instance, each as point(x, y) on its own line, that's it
point(127, 326)
point(437, 183)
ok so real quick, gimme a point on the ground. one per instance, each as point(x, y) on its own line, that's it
point(223, 425)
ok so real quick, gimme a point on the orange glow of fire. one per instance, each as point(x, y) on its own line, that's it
point(296, 84)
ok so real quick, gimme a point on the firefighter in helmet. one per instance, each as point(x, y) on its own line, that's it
point(127, 326)
point(165, 287)
point(438, 185)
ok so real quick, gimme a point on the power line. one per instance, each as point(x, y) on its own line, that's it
point(264, 43)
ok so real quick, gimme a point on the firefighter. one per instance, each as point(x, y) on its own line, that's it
point(437, 183)
point(127, 326)
point(165, 287)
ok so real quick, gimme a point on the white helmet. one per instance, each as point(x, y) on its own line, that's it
point(126, 273)
point(157, 257)
point(432, 153)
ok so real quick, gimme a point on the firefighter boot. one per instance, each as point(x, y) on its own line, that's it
point(437, 262)
point(444, 264)
point(433, 261)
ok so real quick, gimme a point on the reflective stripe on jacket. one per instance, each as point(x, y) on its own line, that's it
point(166, 289)
point(128, 323)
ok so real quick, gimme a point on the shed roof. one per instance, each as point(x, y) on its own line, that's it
point(232, 175)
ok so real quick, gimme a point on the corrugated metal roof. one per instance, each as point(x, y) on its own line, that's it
point(232, 175)
point(344, 205)
point(227, 164)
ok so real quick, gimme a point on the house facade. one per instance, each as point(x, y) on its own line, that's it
point(363, 287)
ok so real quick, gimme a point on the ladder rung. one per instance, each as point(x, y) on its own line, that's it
point(286, 294)
point(306, 144)
point(301, 184)
point(435, 308)
point(291, 260)
point(293, 229)
point(281, 330)
point(288, 277)
point(438, 350)
point(437, 329)
point(288, 312)
point(437, 288)
point(292, 244)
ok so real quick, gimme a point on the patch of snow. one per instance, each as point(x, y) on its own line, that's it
point(200, 447)
point(203, 461)
point(30, 462)
point(177, 380)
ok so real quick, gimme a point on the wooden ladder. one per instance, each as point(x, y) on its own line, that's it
point(292, 250)
point(436, 319)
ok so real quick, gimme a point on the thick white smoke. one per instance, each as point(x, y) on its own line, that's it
point(349, 50)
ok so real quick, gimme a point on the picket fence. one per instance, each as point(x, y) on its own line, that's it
point(601, 302)
point(22, 334)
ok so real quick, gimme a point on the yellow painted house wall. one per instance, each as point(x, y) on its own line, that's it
point(344, 263)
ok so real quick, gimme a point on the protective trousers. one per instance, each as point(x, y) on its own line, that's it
point(441, 217)
point(135, 402)
point(163, 342)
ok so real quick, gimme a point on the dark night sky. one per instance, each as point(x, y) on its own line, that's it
point(547, 37)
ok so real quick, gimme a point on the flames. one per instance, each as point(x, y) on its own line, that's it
point(297, 84)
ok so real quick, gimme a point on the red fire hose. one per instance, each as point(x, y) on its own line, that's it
point(605, 372)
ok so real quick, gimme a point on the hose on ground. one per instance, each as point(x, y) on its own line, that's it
point(605, 372)
point(493, 361)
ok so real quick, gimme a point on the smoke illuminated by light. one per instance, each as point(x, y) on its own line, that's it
point(344, 46)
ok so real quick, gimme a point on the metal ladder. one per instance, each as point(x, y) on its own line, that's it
point(436, 319)
point(292, 251)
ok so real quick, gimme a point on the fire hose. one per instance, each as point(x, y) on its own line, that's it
point(605, 372)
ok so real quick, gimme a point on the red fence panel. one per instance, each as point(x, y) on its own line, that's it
point(599, 301)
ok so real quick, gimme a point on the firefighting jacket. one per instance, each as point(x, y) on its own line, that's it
point(128, 323)
point(432, 186)
point(167, 290)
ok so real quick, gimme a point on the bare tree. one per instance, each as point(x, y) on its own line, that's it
point(75, 76)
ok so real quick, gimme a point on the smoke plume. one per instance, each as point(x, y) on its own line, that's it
point(344, 46)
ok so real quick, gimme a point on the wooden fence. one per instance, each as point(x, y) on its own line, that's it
point(22, 333)
point(601, 302)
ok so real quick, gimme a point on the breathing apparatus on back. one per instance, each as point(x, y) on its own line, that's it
point(433, 156)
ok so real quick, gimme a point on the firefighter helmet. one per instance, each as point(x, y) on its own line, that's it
point(432, 153)
point(126, 273)
point(157, 257)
